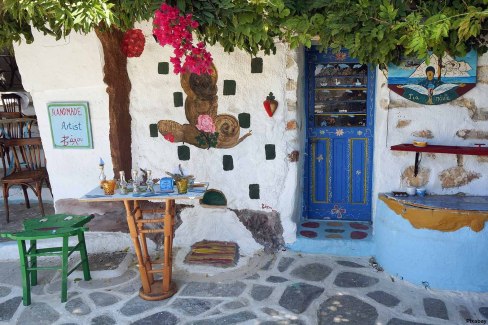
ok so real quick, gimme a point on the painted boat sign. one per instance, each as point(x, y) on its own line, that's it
point(70, 125)
point(439, 81)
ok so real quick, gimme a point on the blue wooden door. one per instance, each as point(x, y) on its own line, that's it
point(340, 117)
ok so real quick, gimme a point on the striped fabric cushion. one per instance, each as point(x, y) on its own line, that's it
point(214, 253)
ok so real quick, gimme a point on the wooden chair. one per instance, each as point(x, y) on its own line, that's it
point(12, 103)
point(14, 126)
point(24, 165)
point(55, 226)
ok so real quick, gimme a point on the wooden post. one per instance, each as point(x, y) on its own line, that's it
point(118, 89)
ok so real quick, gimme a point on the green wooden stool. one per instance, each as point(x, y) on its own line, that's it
point(56, 221)
point(49, 229)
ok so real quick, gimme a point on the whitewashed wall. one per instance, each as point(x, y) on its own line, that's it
point(68, 70)
point(468, 112)
point(71, 70)
point(152, 100)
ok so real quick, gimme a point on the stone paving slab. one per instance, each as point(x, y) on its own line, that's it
point(287, 288)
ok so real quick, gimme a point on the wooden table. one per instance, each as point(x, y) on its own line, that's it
point(151, 289)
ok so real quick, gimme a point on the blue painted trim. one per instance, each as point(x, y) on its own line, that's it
point(355, 211)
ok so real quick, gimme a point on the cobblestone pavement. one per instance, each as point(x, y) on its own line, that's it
point(286, 288)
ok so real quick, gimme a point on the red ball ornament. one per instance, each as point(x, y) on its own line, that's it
point(133, 43)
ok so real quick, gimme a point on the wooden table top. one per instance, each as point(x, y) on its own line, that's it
point(446, 202)
point(97, 195)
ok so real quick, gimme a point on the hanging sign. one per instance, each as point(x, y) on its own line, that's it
point(439, 81)
point(70, 125)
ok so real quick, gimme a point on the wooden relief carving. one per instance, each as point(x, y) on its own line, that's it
point(206, 128)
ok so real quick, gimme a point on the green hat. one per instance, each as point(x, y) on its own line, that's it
point(213, 198)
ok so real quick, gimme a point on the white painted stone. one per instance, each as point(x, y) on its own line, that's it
point(214, 224)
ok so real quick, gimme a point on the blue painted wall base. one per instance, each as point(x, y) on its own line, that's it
point(455, 260)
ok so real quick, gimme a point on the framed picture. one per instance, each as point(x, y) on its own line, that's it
point(436, 81)
point(70, 125)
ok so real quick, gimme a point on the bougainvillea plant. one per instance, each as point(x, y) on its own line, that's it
point(207, 129)
point(171, 27)
point(133, 43)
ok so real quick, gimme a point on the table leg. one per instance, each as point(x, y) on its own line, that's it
point(146, 287)
point(152, 289)
point(145, 253)
point(168, 243)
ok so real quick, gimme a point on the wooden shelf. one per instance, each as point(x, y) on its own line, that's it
point(341, 113)
point(335, 101)
point(456, 150)
point(342, 76)
point(342, 87)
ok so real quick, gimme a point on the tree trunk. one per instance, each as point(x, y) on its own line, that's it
point(118, 89)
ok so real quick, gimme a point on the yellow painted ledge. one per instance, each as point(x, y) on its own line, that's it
point(437, 219)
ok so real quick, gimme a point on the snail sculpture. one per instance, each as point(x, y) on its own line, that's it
point(201, 106)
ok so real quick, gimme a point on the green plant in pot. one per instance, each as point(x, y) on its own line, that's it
point(181, 180)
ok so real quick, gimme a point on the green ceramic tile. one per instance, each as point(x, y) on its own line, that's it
point(254, 191)
point(228, 162)
point(270, 151)
point(178, 99)
point(229, 87)
point(256, 65)
point(183, 152)
point(244, 120)
point(153, 130)
point(163, 67)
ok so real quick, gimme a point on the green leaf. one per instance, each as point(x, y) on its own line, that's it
point(181, 4)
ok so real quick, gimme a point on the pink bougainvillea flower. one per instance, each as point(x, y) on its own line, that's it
point(170, 137)
point(173, 28)
point(205, 123)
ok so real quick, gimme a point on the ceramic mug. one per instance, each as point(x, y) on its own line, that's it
point(421, 191)
point(182, 185)
point(166, 184)
point(411, 190)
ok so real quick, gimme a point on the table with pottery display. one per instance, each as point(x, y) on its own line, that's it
point(151, 289)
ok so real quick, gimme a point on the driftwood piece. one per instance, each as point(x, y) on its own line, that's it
point(188, 133)
point(202, 86)
point(198, 106)
point(202, 99)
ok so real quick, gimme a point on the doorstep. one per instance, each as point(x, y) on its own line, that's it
point(343, 238)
